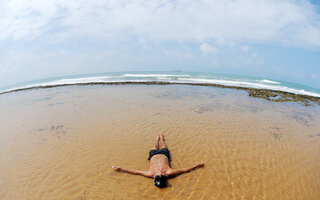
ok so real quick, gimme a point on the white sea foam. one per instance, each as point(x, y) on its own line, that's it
point(249, 85)
point(154, 75)
point(258, 84)
point(268, 81)
point(99, 79)
point(67, 81)
point(164, 78)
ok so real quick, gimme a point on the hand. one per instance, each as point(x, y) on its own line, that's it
point(116, 168)
point(201, 164)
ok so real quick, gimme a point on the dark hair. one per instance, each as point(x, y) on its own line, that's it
point(160, 181)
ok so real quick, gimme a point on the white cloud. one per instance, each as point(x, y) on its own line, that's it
point(254, 55)
point(315, 76)
point(245, 48)
point(286, 22)
point(144, 44)
point(224, 42)
point(208, 49)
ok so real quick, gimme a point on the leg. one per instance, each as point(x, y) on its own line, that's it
point(161, 142)
point(156, 145)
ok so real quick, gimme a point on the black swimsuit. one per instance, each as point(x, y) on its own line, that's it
point(164, 151)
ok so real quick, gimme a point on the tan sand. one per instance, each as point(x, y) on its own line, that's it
point(60, 143)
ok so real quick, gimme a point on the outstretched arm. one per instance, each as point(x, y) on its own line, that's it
point(133, 171)
point(177, 172)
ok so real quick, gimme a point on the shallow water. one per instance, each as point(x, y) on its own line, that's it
point(60, 143)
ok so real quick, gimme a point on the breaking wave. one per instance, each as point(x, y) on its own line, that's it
point(191, 78)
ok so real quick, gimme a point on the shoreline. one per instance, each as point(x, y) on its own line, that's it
point(267, 94)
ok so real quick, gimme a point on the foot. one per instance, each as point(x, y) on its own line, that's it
point(162, 137)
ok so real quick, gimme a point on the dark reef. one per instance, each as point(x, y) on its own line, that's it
point(270, 95)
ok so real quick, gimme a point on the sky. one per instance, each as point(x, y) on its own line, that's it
point(275, 39)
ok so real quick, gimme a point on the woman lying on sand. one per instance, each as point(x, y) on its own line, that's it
point(159, 169)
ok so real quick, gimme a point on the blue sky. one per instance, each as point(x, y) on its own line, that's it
point(265, 38)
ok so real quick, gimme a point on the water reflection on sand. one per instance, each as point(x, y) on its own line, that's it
point(60, 143)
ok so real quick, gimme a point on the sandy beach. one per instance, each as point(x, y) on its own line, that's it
point(60, 143)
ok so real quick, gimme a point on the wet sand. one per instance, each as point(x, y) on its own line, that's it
point(60, 143)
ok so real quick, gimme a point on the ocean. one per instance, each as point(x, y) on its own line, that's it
point(172, 77)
